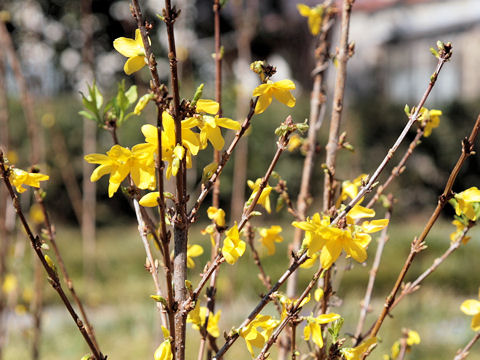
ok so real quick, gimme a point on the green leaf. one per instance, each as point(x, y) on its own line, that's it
point(131, 94)
point(87, 115)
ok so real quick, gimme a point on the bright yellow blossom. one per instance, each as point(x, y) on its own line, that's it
point(357, 352)
point(314, 15)
point(314, 331)
point(459, 232)
point(270, 236)
point(233, 247)
point(430, 119)
point(467, 203)
point(19, 178)
point(172, 152)
point(198, 316)
point(295, 142)
point(330, 240)
point(134, 50)
point(150, 199)
point(264, 198)
point(280, 89)
point(217, 215)
point(258, 331)
point(193, 251)
point(164, 351)
point(209, 125)
point(472, 307)
point(10, 284)
point(120, 161)
point(350, 188)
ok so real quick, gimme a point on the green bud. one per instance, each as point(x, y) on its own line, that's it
point(159, 299)
point(198, 94)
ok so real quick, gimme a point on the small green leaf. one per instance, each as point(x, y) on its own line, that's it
point(406, 109)
point(198, 94)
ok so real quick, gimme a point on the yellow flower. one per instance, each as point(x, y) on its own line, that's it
point(164, 351)
point(209, 125)
point(217, 215)
point(210, 230)
point(310, 261)
point(472, 307)
point(258, 331)
point(330, 240)
point(314, 15)
point(413, 338)
point(270, 236)
point(280, 89)
point(172, 152)
point(350, 188)
point(459, 232)
point(233, 247)
point(467, 203)
point(134, 50)
point(193, 251)
point(295, 142)
point(10, 284)
point(357, 352)
point(120, 161)
point(198, 316)
point(318, 294)
point(19, 178)
point(430, 119)
point(313, 329)
point(289, 302)
point(150, 199)
point(36, 214)
point(264, 198)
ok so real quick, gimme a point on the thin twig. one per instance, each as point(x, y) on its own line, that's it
point(52, 275)
point(445, 56)
point(66, 278)
point(338, 96)
point(373, 274)
point(225, 157)
point(418, 243)
point(463, 353)
point(297, 261)
point(292, 313)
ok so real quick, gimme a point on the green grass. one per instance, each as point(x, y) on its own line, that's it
point(126, 322)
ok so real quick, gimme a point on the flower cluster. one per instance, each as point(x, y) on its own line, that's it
point(321, 236)
point(258, 331)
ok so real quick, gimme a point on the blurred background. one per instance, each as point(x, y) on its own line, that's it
point(61, 46)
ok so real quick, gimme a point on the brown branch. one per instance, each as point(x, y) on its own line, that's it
point(292, 313)
point(397, 170)
point(463, 353)
point(66, 278)
point(297, 261)
point(338, 96)
point(52, 275)
point(418, 243)
point(373, 274)
point(415, 285)
point(445, 56)
point(225, 157)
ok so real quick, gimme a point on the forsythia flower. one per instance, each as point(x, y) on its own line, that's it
point(288, 302)
point(295, 142)
point(233, 247)
point(264, 198)
point(280, 89)
point(217, 215)
point(314, 16)
point(350, 188)
point(430, 119)
point(255, 337)
point(19, 178)
point(172, 152)
point(193, 251)
point(120, 161)
point(209, 125)
point(150, 199)
point(413, 338)
point(197, 317)
point(313, 329)
point(472, 307)
point(467, 203)
point(210, 230)
point(134, 50)
point(357, 352)
point(330, 240)
point(459, 232)
point(164, 351)
point(270, 236)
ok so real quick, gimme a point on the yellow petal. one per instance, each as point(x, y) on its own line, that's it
point(263, 103)
point(330, 253)
point(125, 46)
point(304, 10)
point(134, 64)
point(284, 97)
point(470, 307)
point(374, 225)
point(207, 106)
point(475, 323)
point(326, 318)
point(195, 250)
point(150, 199)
